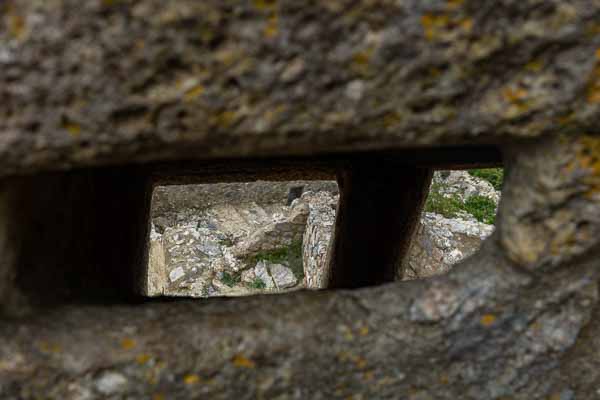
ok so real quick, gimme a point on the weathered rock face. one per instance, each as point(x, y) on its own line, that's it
point(205, 254)
point(210, 240)
point(190, 80)
point(317, 238)
point(212, 79)
point(442, 242)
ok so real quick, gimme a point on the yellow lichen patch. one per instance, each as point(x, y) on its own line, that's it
point(227, 55)
point(275, 112)
point(110, 3)
point(514, 94)
point(242, 362)
point(361, 61)
point(191, 379)
point(49, 347)
point(142, 358)
point(588, 154)
point(128, 344)
point(391, 119)
point(566, 118)
point(347, 333)
point(344, 356)
point(194, 92)
point(593, 29)
point(587, 158)
point(435, 26)
point(225, 119)
point(534, 66)
point(73, 128)
point(368, 376)
point(466, 24)
point(593, 92)
point(487, 320)
point(272, 28)
point(265, 4)
point(444, 379)
point(517, 100)
point(454, 4)
point(151, 377)
point(363, 330)
point(563, 239)
point(360, 362)
point(16, 26)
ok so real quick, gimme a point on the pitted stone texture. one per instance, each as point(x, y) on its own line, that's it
point(317, 237)
point(460, 334)
point(556, 185)
point(202, 79)
point(441, 242)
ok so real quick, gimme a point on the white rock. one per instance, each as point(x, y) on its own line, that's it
point(283, 277)
point(111, 383)
point(261, 272)
point(176, 274)
point(355, 89)
point(464, 185)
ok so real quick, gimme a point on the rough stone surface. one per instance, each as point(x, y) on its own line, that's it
point(317, 237)
point(205, 79)
point(124, 81)
point(441, 242)
point(282, 276)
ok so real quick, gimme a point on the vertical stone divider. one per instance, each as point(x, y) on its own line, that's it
point(378, 212)
point(77, 237)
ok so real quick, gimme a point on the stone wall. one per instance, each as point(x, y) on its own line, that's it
point(367, 89)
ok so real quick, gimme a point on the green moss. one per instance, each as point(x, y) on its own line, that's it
point(226, 242)
point(290, 256)
point(495, 176)
point(482, 208)
point(258, 283)
point(230, 279)
point(448, 206)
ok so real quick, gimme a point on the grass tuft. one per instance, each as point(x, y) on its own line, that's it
point(290, 256)
point(258, 283)
point(482, 208)
point(495, 176)
point(230, 279)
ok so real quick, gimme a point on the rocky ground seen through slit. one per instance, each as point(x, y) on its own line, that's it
point(235, 239)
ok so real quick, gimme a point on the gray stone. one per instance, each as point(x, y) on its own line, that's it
point(317, 235)
point(176, 274)
point(282, 276)
point(110, 383)
point(261, 271)
point(408, 98)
